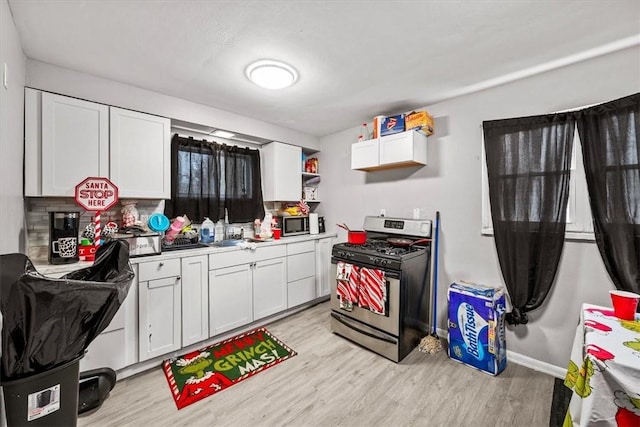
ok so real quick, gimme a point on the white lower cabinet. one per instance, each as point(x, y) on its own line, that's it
point(245, 286)
point(117, 345)
point(301, 273)
point(323, 266)
point(195, 299)
point(269, 287)
point(230, 298)
point(160, 307)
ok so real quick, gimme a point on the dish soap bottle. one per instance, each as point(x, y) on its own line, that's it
point(219, 231)
point(207, 231)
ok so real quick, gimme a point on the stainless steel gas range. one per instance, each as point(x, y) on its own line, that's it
point(380, 296)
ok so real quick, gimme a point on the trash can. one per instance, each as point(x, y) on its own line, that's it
point(46, 399)
point(47, 326)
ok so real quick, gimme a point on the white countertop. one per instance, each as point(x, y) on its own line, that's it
point(43, 267)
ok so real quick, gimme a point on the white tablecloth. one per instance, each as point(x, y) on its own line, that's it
point(604, 370)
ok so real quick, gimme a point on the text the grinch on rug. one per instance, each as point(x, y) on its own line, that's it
point(204, 372)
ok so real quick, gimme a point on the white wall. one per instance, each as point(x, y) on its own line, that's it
point(451, 183)
point(12, 229)
point(68, 82)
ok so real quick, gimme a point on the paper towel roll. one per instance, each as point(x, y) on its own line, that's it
point(313, 223)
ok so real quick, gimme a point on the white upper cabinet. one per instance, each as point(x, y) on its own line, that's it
point(392, 151)
point(140, 159)
point(281, 172)
point(66, 141)
point(69, 139)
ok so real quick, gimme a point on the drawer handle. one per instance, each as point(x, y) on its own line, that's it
point(160, 265)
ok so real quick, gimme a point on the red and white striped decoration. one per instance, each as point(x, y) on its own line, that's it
point(373, 289)
point(96, 240)
point(354, 280)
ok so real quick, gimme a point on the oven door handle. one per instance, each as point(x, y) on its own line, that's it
point(380, 337)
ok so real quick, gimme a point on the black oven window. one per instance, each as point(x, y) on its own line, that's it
point(207, 178)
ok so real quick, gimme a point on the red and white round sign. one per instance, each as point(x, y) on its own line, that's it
point(96, 194)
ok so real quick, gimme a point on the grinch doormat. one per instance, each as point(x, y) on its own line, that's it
point(204, 372)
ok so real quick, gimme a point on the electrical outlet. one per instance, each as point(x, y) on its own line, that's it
point(383, 212)
point(416, 213)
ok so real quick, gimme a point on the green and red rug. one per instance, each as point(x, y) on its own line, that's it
point(211, 369)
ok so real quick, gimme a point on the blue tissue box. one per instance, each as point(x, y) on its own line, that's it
point(476, 327)
point(392, 124)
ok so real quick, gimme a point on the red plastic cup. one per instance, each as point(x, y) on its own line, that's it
point(276, 233)
point(625, 304)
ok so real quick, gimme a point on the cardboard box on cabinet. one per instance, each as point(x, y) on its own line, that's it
point(392, 124)
point(420, 120)
point(476, 326)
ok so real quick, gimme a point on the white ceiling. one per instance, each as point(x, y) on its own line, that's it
point(356, 59)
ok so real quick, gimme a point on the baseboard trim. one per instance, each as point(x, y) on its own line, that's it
point(529, 362)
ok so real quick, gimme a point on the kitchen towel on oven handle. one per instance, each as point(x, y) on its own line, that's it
point(373, 290)
point(347, 278)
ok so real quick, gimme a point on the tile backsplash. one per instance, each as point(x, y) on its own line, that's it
point(37, 216)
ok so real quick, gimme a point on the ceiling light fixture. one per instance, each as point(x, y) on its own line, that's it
point(271, 74)
point(222, 134)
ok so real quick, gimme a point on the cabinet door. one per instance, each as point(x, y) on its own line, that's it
point(140, 154)
point(75, 143)
point(406, 148)
point(195, 299)
point(117, 346)
point(230, 298)
point(301, 291)
point(282, 172)
point(365, 154)
point(160, 317)
point(269, 287)
point(323, 266)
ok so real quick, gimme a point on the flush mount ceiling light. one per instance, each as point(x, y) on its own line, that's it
point(271, 74)
point(222, 134)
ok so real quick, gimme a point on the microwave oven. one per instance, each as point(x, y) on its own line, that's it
point(295, 225)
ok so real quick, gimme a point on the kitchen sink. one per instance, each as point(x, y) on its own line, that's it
point(226, 243)
point(169, 248)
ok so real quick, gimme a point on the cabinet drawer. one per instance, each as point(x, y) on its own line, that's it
point(228, 259)
point(106, 351)
point(301, 291)
point(158, 269)
point(300, 247)
point(300, 266)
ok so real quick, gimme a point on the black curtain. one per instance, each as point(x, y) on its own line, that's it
point(208, 177)
point(243, 185)
point(528, 165)
point(610, 137)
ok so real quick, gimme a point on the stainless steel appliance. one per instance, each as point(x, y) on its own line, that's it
point(63, 237)
point(296, 225)
point(406, 268)
point(141, 243)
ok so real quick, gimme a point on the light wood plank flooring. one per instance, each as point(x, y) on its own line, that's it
point(333, 382)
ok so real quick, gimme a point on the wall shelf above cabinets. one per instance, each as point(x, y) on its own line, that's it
point(392, 151)
point(310, 187)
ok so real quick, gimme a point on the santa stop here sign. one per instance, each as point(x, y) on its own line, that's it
point(96, 194)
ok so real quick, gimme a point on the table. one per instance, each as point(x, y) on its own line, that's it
point(604, 370)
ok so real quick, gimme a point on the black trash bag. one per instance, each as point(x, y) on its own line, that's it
point(48, 322)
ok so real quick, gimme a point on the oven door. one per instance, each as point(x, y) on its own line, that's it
point(390, 322)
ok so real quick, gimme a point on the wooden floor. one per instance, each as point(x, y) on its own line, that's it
point(333, 382)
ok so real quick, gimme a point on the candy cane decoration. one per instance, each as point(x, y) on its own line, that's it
point(96, 240)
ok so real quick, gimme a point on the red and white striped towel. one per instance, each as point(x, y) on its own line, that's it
point(345, 274)
point(373, 290)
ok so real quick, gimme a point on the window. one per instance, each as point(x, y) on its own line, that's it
point(209, 178)
point(579, 220)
